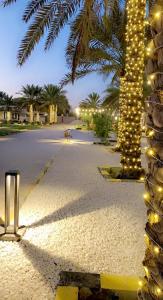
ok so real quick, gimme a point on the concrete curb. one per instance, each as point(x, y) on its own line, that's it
point(125, 286)
point(38, 178)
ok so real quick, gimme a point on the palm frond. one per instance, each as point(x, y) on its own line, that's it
point(63, 14)
point(8, 2)
point(35, 32)
point(31, 8)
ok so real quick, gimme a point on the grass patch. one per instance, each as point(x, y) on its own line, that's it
point(7, 129)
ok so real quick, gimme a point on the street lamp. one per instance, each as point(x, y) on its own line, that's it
point(12, 232)
point(77, 110)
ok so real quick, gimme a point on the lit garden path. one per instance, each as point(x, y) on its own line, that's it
point(77, 221)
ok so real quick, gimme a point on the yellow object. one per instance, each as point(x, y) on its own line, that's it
point(67, 293)
point(119, 283)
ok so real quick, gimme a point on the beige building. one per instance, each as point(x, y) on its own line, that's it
point(23, 115)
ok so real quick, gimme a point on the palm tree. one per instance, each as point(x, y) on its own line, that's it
point(52, 97)
point(52, 16)
point(63, 106)
point(132, 89)
point(105, 50)
point(31, 97)
point(153, 263)
point(92, 101)
point(7, 102)
point(111, 99)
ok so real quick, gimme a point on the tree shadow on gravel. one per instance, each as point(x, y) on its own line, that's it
point(48, 265)
point(88, 203)
point(83, 205)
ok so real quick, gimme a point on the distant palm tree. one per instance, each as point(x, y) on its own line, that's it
point(111, 99)
point(92, 101)
point(53, 96)
point(63, 106)
point(31, 98)
point(7, 102)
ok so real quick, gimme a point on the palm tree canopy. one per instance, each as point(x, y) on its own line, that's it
point(105, 48)
point(50, 16)
point(6, 100)
point(52, 94)
point(92, 101)
point(111, 99)
point(30, 94)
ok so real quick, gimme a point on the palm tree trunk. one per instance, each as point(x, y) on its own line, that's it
point(133, 85)
point(37, 117)
point(55, 114)
point(8, 116)
point(31, 115)
point(51, 114)
point(153, 263)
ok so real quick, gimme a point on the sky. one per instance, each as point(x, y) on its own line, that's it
point(42, 67)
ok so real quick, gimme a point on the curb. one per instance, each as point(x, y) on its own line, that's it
point(38, 178)
point(125, 287)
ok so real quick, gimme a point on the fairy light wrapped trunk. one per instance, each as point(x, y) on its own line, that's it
point(152, 288)
point(121, 122)
point(134, 75)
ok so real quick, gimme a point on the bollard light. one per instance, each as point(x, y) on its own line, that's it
point(12, 232)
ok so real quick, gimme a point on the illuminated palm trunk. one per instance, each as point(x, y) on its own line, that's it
point(133, 85)
point(31, 114)
point(121, 122)
point(152, 288)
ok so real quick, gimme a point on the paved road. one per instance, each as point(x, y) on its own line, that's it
point(28, 152)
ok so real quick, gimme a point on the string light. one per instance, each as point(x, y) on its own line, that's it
point(133, 88)
point(146, 196)
point(140, 283)
point(146, 271)
point(150, 152)
point(158, 290)
point(160, 189)
point(157, 15)
point(154, 196)
point(156, 249)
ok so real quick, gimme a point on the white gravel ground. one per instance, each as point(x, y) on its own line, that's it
point(77, 221)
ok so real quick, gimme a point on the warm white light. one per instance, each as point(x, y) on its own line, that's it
point(146, 196)
point(77, 110)
point(158, 290)
point(156, 250)
point(157, 14)
point(160, 189)
point(140, 283)
point(152, 76)
point(146, 271)
point(150, 152)
point(151, 133)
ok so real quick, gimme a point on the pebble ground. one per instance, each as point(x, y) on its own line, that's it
point(75, 220)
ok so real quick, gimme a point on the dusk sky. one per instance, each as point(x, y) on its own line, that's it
point(41, 68)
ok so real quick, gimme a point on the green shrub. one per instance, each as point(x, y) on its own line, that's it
point(88, 119)
point(102, 125)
